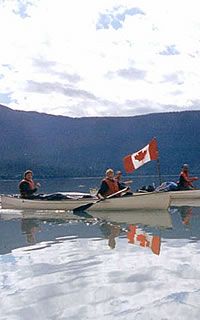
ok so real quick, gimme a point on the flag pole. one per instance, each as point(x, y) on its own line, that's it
point(158, 169)
point(158, 164)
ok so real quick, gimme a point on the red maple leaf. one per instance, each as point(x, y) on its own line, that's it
point(140, 155)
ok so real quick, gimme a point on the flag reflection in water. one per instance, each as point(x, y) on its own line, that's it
point(141, 238)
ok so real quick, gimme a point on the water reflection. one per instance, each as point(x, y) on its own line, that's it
point(152, 218)
point(71, 272)
point(135, 233)
point(30, 227)
point(144, 229)
point(186, 214)
point(85, 267)
point(138, 236)
point(110, 232)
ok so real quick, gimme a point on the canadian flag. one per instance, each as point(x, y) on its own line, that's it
point(137, 159)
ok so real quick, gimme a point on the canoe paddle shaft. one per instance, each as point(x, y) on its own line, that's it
point(88, 205)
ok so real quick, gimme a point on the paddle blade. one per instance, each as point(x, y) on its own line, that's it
point(84, 207)
point(83, 214)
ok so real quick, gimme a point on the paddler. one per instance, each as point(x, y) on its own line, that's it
point(109, 185)
point(27, 186)
point(185, 181)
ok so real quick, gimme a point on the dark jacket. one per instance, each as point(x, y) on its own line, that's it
point(185, 182)
point(25, 189)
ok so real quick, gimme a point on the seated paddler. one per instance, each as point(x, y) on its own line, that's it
point(109, 185)
point(27, 186)
point(185, 181)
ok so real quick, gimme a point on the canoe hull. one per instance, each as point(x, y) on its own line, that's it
point(186, 194)
point(137, 201)
point(185, 198)
point(9, 202)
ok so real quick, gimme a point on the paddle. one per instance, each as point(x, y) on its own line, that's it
point(88, 205)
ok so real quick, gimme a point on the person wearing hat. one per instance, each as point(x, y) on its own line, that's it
point(185, 181)
point(27, 186)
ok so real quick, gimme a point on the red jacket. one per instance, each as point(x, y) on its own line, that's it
point(185, 181)
point(108, 187)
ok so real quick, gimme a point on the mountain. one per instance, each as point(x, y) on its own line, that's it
point(58, 146)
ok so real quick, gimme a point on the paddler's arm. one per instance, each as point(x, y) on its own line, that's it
point(102, 190)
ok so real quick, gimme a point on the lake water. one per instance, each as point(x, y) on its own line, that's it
point(54, 267)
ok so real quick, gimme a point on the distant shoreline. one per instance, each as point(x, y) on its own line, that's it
point(91, 177)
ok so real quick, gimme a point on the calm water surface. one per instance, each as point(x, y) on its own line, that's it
point(60, 266)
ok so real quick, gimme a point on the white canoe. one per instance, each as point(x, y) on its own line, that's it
point(12, 202)
point(185, 198)
point(147, 201)
point(186, 194)
point(137, 201)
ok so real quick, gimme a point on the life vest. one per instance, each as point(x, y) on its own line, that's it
point(112, 186)
point(184, 180)
point(30, 182)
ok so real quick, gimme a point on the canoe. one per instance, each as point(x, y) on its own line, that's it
point(154, 200)
point(73, 200)
point(137, 201)
point(151, 218)
point(185, 194)
point(185, 198)
point(185, 203)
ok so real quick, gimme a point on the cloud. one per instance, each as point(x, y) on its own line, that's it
point(46, 88)
point(170, 50)
point(52, 68)
point(116, 17)
point(21, 7)
point(91, 58)
point(175, 78)
point(132, 74)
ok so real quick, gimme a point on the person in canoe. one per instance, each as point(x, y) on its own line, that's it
point(118, 177)
point(109, 185)
point(27, 186)
point(185, 181)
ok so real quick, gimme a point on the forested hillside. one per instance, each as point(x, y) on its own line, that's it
point(56, 146)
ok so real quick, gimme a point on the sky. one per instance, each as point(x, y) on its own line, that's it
point(100, 57)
